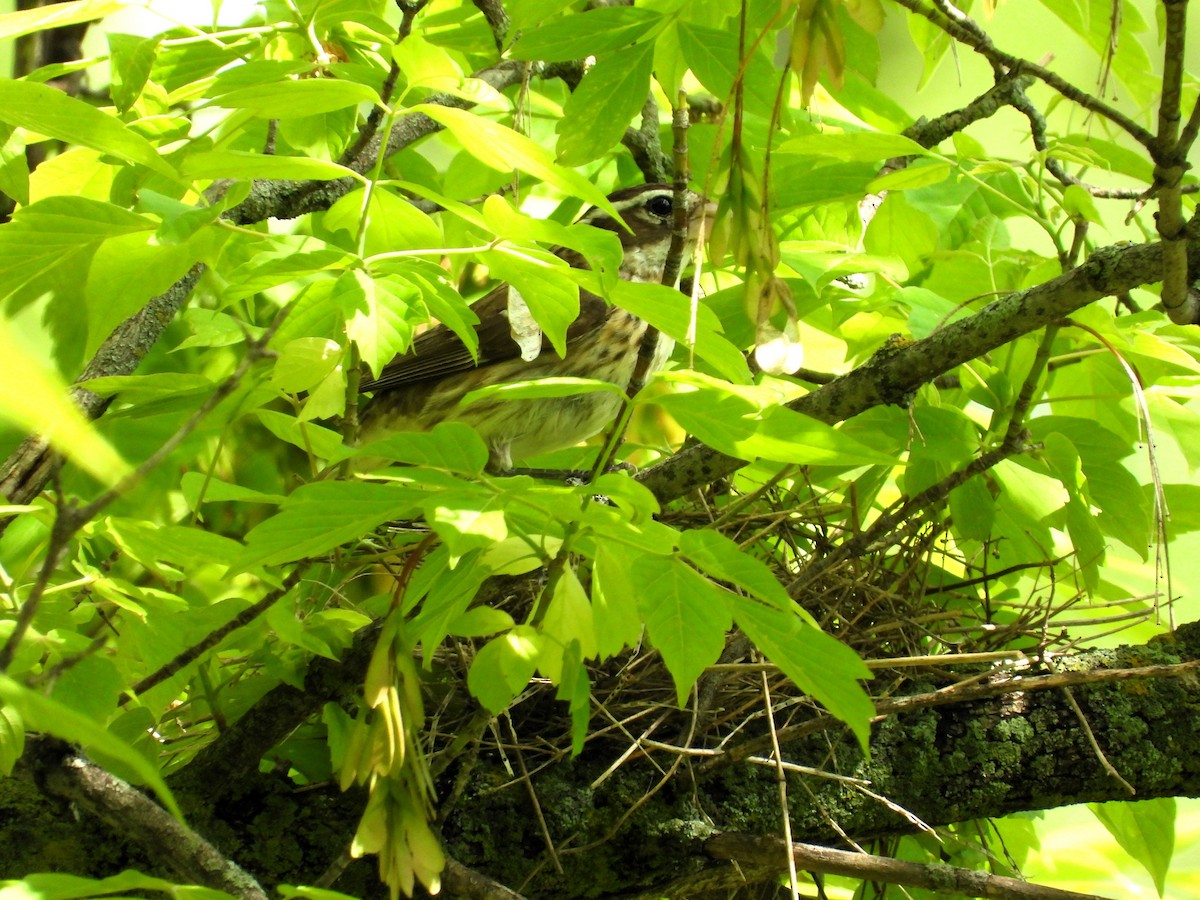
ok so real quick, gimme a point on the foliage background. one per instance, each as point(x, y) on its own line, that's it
point(917, 88)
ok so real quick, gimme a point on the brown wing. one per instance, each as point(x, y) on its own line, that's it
point(439, 352)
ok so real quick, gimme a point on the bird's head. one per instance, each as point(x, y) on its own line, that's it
point(649, 212)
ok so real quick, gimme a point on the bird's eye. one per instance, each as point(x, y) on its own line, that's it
point(659, 206)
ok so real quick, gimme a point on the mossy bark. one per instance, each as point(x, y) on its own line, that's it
point(948, 763)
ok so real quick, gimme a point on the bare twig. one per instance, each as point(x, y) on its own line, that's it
point(497, 19)
point(768, 851)
point(408, 12)
point(214, 637)
point(1095, 744)
point(781, 778)
point(886, 524)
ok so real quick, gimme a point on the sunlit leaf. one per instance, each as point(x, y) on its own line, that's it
point(601, 108)
point(595, 32)
point(1145, 830)
point(317, 517)
point(686, 617)
point(43, 18)
point(42, 713)
point(53, 113)
point(43, 406)
point(289, 99)
point(503, 149)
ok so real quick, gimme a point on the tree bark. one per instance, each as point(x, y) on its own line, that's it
point(940, 763)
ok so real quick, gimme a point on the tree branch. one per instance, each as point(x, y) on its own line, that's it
point(891, 374)
point(1169, 166)
point(977, 40)
point(136, 817)
point(28, 469)
point(770, 852)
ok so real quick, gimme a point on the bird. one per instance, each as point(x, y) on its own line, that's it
point(423, 386)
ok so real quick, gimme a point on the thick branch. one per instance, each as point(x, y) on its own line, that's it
point(979, 757)
point(138, 819)
point(892, 374)
point(968, 756)
point(1170, 163)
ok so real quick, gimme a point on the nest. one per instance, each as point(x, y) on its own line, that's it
point(905, 600)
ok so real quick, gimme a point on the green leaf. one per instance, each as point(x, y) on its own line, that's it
point(142, 388)
point(575, 687)
point(426, 64)
point(305, 362)
point(600, 109)
point(311, 893)
point(53, 113)
point(243, 164)
point(42, 713)
point(737, 422)
point(198, 488)
point(443, 302)
point(503, 149)
point(294, 99)
point(59, 233)
point(1079, 204)
point(686, 616)
point(972, 509)
point(42, 406)
point(600, 247)
point(380, 314)
point(670, 312)
point(713, 57)
point(46, 886)
point(325, 443)
point(92, 687)
point(913, 176)
point(481, 621)
point(317, 517)
point(448, 445)
point(569, 619)
point(126, 272)
point(721, 558)
point(503, 666)
point(614, 601)
point(44, 18)
point(14, 167)
point(592, 33)
point(132, 58)
point(545, 286)
point(393, 223)
point(525, 13)
point(858, 146)
point(1145, 830)
point(541, 388)
point(796, 181)
point(467, 519)
point(150, 543)
point(817, 663)
point(12, 739)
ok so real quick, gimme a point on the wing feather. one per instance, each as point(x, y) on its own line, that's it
point(439, 353)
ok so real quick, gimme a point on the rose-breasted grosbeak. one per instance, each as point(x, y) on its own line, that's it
point(417, 390)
